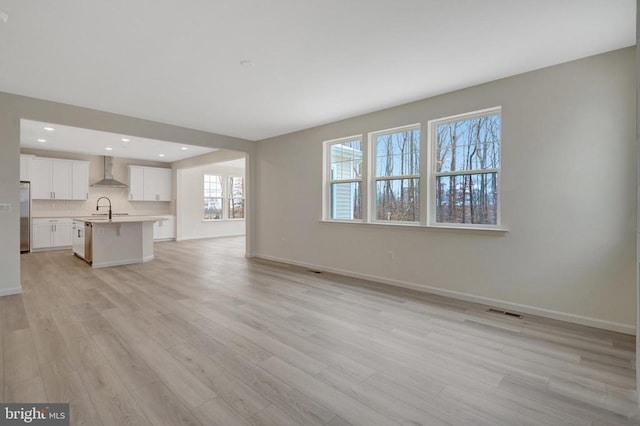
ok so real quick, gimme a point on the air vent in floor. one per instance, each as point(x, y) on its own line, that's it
point(501, 312)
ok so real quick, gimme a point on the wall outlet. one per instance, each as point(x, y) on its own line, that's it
point(5, 208)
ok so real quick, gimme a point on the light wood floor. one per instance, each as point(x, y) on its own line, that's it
point(202, 335)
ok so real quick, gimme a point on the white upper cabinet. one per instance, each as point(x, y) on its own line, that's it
point(149, 184)
point(80, 181)
point(136, 183)
point(41, 179)
point(61, 180)
point(55, 179)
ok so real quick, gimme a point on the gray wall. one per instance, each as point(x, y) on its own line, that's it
point(13, 108)
point(638, 192)
point(568, 199)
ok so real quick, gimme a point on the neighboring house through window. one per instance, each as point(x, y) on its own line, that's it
point(345, 178)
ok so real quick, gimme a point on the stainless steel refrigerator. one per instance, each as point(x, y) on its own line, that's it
point(25, 217)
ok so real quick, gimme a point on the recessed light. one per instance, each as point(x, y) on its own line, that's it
point(42, 140)
point(125, 140)
point(49, 129)
point(109, 148)
point(160, 155)
point(184, 148)
point(247, 63)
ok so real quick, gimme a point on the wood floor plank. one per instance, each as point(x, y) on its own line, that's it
point(272, 415)
point(20, 358)
point(14, 315)
point(62, 385)
point(114, 404)
point(387, 405)
point(242, 398)
point(341, 404)
point(217, 413)
point(203, 335)
point(162, 407)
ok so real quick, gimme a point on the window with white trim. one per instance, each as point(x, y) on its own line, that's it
point(344, 159)
point(236, 197)
point(213, 197)
point(456, 186)
point(397, 174)
point(465, 169)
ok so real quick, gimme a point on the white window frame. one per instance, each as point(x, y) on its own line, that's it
point(222, 193)
point(431, 173)
point(373, 179)
point(328, 181)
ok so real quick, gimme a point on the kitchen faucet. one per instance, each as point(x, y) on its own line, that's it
point(98, 205)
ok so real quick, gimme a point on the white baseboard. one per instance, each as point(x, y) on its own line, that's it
point(121, 262)
point(187, 238)
point(526, 309)
point(10, 291)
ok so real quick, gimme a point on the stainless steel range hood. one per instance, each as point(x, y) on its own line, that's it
point(109, 181)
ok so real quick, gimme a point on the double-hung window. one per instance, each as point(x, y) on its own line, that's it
point(213, 197)
point(397, 174)
point(344, 165)
point(236, 197)
point(465, 169)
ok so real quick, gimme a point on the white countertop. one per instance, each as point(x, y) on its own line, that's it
point(120, 219)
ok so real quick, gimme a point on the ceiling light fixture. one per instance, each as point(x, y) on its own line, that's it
point(160, 155)
point(49, 129)
point(42, 140)
point(184, 148)
point(109, 148)
point(125, 140)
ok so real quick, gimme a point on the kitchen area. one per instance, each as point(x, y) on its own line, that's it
point(107, 198)
point(71, 201)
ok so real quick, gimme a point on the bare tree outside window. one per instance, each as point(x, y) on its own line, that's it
point(236, 197)
point(467, 163)
point(397, 176)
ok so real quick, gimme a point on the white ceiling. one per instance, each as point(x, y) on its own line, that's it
point(55, 137)
point(315, 62)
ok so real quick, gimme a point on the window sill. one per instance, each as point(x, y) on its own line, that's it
point(410, 225)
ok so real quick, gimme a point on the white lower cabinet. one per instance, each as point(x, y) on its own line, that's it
point(51, 233)
point(78, 237)
point(165, 229)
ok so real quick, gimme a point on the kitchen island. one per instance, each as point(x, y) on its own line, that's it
point(103, 242)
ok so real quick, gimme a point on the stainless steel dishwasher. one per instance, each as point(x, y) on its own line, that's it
point(88, 246)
